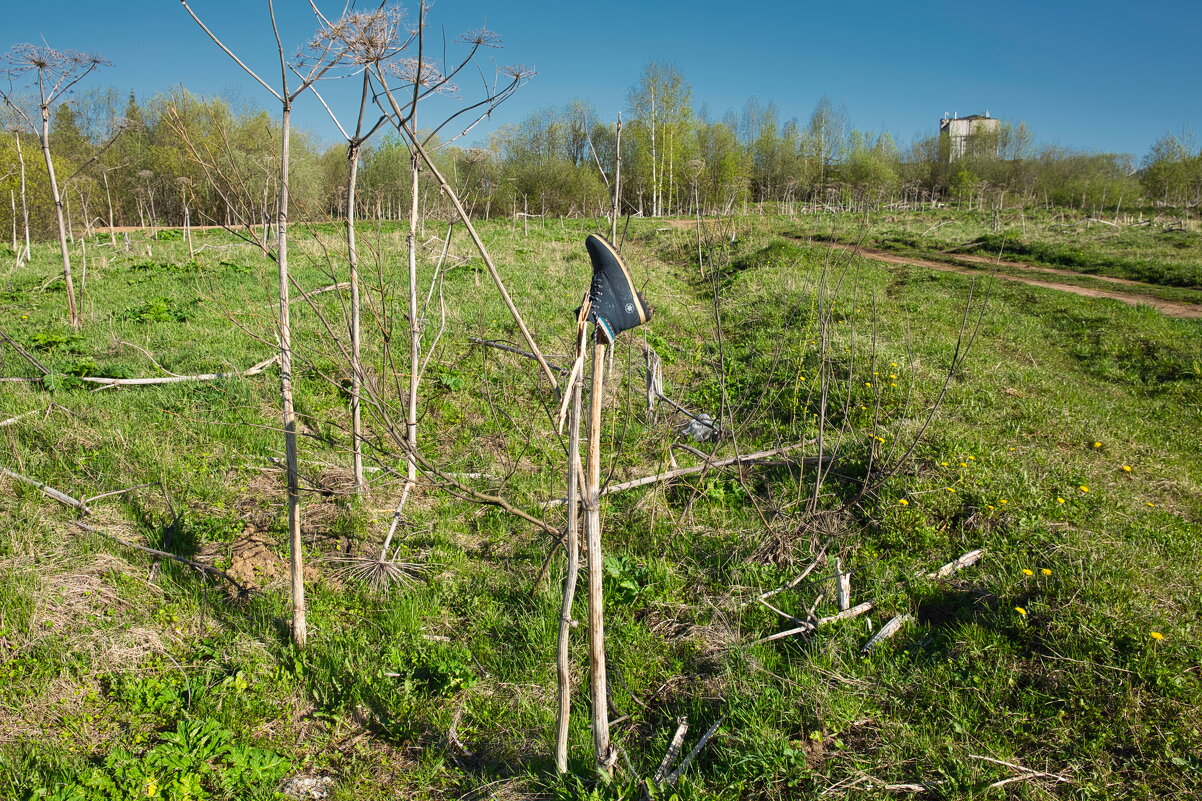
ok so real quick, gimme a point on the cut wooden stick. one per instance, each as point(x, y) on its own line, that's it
point(750, 458)
point(592, 533)
point(682, 728)
point(843, 588)
point(886, 631)
point(967, 560)
point(488, 343)
point(572, 547)
point(684, 763)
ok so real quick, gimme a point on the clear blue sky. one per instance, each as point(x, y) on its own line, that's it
point(1102, 75)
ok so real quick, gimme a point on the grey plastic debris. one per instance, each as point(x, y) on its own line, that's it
point(307, 787)
point(700, 429)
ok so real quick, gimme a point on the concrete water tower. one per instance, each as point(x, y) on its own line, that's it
point(976, 134)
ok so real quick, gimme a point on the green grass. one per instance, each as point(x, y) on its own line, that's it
point(1154, 248)
point(121, 678)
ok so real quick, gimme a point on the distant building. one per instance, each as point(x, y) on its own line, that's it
point(976, 134)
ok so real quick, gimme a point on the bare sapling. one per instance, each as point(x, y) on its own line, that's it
point(319, 60)
point(57, 72)
point(23, 254)
point(425, 80)
point(368, 38)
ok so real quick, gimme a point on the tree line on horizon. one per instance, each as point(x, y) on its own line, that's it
point(215, 161)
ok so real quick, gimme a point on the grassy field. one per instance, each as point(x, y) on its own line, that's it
point(1159, 250)
point(1065, 446)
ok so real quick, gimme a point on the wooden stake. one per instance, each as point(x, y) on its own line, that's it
point(572, 545)
point(592, 534)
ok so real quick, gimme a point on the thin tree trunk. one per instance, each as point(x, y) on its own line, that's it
point(414, 329)
point(352, 252)
point(72, 311)
point(108, 195)
point(617, 209)
point(23, 257)
point(296, 559)
point(592, 534)
point(572, 544)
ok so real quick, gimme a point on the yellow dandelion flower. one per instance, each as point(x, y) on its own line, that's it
point(1151, 504)
point(964, 464)
point(1097, 444)
point(1083, 488)
point(1045, 571)
point(943, 464)
point(1060, 500)
point(950, 489)
point(1020, 610)
point(989, 507)
point(1156, 635)
point(1028, 571)
point(1126, 468)
point(1010, 449)
point(1003, 501)
point(972, 458)
point(24, 316)
point(893, 375)
point(894, 384)
point(904, 502)
point(803, 378)
point(867, 383)
point(893, 364)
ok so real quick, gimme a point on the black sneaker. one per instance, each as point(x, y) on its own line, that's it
point(616, 305)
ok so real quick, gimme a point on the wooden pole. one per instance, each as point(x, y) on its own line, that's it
point(592, 534)
point(572, 544)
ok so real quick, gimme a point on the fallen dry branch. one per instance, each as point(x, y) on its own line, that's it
point(107, 382)
point(967, 560)
point(242, 590)
point(61, 497)
point(886, 631)
point(846, 614)
point(682, 728)
point(488, 343)
point(684, 763)
point(1025, 773)
point(750, 458)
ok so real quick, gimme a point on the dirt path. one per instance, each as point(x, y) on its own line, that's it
point(1167, 307)
point(1018, 265)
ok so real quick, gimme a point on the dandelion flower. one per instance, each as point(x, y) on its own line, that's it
point(1097, 444)
point(1083, 488)
point(893, 364)
point(904, 502)
point(943, 464)
point(1028, 571)
point(1156, 635)
point(1045, 571)
point(964, 464)
point(972, 458)
point(1003, 501)
point(1126, 468)
point(867, 383)
point(1151, 504)
point(1060, 500)
point(990, 507)
point(893, 375)
point(950, 489)
point(1020, 610)
point(1010, 449)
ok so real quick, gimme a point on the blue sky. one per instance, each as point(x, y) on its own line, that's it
point(1103, 75)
